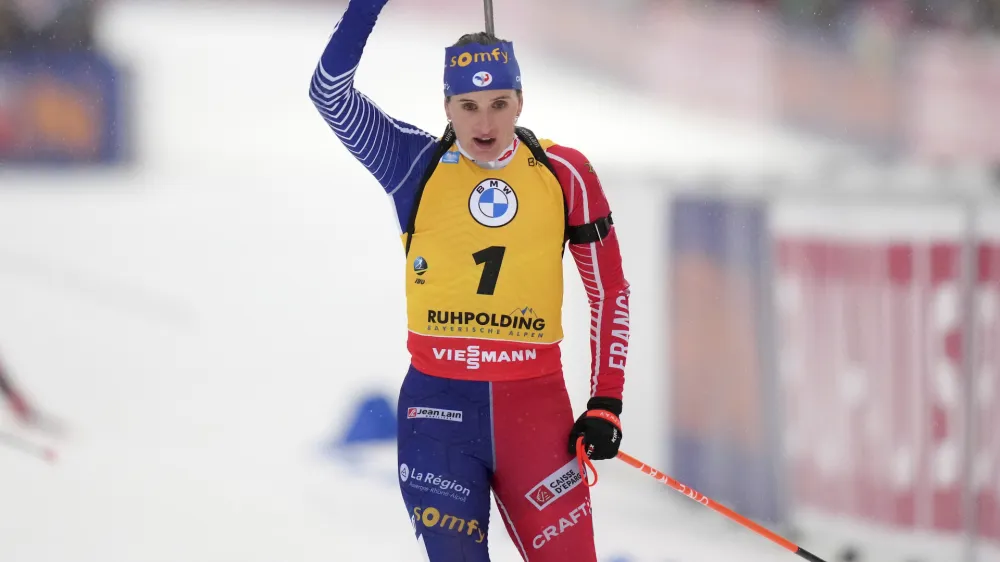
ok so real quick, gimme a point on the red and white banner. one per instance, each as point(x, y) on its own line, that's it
point(872, 337)
point(986, 385)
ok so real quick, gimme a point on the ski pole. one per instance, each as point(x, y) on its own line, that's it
point(23, 445)
point(488, 12)
point(708, 502)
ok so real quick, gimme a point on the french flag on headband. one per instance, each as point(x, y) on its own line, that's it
point(475, 67)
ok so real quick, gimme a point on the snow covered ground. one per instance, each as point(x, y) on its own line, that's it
point(206, 321)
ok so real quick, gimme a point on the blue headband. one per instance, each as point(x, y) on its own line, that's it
point(475, 67)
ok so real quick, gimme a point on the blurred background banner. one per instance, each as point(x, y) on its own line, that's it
point(901, 77)
point(887, 326)
point(873, 322)
point(60, 108)
point(985, 396)
point(871, 405)
point(723, 424)
point(61, 99)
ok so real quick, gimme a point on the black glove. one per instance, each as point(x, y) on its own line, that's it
point(600, 427)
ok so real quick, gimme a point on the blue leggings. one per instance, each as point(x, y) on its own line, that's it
point(459, 440)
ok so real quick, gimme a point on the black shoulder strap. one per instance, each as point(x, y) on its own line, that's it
point(577, 235)
point(585, 233)
point(447, 139)
point(537, 152)
point(529, 139)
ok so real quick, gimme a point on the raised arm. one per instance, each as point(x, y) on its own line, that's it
point(390, 149)
point(599, 263)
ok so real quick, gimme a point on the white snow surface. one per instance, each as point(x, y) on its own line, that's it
point(205, 321)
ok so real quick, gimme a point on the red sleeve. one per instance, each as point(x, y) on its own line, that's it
point(600, 267)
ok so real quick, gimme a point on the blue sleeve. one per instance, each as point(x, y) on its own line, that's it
point(393, 151)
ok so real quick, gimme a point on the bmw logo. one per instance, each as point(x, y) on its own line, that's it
point(420, 266)
point(493, 203)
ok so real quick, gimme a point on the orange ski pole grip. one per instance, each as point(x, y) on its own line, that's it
point(584, 462)
point(708, 502)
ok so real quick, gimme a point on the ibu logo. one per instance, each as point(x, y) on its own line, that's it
point(420, 266)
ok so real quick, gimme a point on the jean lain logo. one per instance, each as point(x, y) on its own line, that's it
point(434, 414)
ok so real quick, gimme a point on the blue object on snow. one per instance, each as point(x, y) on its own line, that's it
point(374, 420)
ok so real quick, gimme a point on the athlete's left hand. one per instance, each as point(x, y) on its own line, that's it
point(600, 427)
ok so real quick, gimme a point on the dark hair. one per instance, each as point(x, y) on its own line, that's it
point(479, 38)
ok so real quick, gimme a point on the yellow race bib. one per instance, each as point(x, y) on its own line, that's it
point(484, 270)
